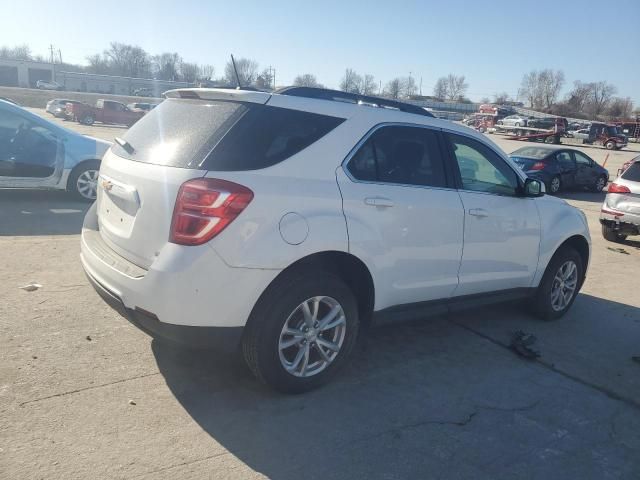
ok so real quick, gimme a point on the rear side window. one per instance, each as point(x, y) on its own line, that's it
point(633, 172)
point(265, 136)
point(222, 136)
point(400, 155)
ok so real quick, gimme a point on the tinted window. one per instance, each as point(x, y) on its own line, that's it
point(582, 159)
point(183, 133)
point(632, 173)
point(531, 152)
point(565, 160)
point(401, 155)
point(267, 135)
point(481, 169)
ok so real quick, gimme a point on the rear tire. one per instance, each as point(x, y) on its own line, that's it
point(282, 305)
point(554, 296)
point(554, 185)
point(610, 145)
point(88, 120)
point(611, 235)
point(83, 181)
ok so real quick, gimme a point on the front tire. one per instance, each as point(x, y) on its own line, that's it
point(560, 284)
point(601, 182)
point(611, 235)
point(83, 181)
point(88, 120)
point(302, 331)
point(610, 145)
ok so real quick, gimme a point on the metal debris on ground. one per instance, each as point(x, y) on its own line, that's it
point(30, 287)
point(523, 344)
point(88, 337)
point(618, 250)
point(131, 402)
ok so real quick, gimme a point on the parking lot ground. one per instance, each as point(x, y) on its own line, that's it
point(83, 394)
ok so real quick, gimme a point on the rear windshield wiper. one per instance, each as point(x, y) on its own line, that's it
point(126, 145)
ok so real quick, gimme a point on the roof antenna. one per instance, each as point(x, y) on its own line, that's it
point(233, 61)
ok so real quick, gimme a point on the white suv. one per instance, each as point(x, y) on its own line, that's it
point(284, 222)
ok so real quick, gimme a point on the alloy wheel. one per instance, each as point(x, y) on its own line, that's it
point(87, 184)
point(564, 285)
point(312, 336)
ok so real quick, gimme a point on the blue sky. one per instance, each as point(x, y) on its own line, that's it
point(492, 43)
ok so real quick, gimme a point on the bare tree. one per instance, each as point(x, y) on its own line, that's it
point(166, 66)
point(551, 82)
point(368, 85)
point(578, 98)
point(98, 64)
point(456, 86)
point(601, 93)
point(501, 98)
point(265, 80)
point(128, 60)
point(206, 71)
point(306, 80)
point(440, 89)
point(620, 108)
point(485, 100)
point(351, 82)
point(19, 52)
point(408, 87)
point(247, 71)
point(393, 89)
point(541, 89)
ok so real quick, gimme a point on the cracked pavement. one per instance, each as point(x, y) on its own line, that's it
point(437, 398)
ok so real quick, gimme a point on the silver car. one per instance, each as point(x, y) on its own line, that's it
point(514, 121)
point(620, 213)
point(35, 153)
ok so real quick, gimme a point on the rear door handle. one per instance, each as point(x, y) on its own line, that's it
point(478, 212)
point(379, 201)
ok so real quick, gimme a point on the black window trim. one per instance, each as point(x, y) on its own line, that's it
point(458, 178)
point(449, 178)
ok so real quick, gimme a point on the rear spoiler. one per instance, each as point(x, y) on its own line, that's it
point(219, 94)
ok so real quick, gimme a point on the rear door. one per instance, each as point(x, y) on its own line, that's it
point(567, 166)
point(403, 218)
point(501, 229)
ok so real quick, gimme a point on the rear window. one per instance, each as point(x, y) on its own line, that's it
point(633, 172)
point(222, 136)
point(531, 152)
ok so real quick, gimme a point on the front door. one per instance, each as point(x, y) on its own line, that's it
point(501, 229)
point(585, 173)
point(403, 219)
point(30, 153)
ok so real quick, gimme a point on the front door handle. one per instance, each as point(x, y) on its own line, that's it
point(379, 201)
point(478, 212)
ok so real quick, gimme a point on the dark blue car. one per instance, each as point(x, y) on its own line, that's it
point(561, 168)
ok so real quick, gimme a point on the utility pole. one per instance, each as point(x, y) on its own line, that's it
point(53, 64)
point(420, 86)
point(60, 55)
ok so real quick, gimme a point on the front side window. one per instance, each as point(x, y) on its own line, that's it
point(400, 155)
point(481, 169)
point(26, 148)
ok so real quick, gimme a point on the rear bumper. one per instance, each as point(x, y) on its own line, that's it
point(219, 338)
point(187, 289)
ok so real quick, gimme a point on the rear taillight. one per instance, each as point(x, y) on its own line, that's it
point(615, 188)
point(538, 166)
point(204, 207)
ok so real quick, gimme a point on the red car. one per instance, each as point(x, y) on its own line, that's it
point(627, 164)
point(105, 111)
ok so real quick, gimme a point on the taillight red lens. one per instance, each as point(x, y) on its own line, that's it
point(538, 166)
point(615, 188)
point(204, 207)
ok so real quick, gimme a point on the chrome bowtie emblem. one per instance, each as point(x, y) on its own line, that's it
point(107, 185)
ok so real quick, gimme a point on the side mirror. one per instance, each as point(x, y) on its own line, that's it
point(533, 188)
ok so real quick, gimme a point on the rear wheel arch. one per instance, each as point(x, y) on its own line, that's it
point(348, 267)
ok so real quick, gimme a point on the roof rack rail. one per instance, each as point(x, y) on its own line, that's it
point(339, 96)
